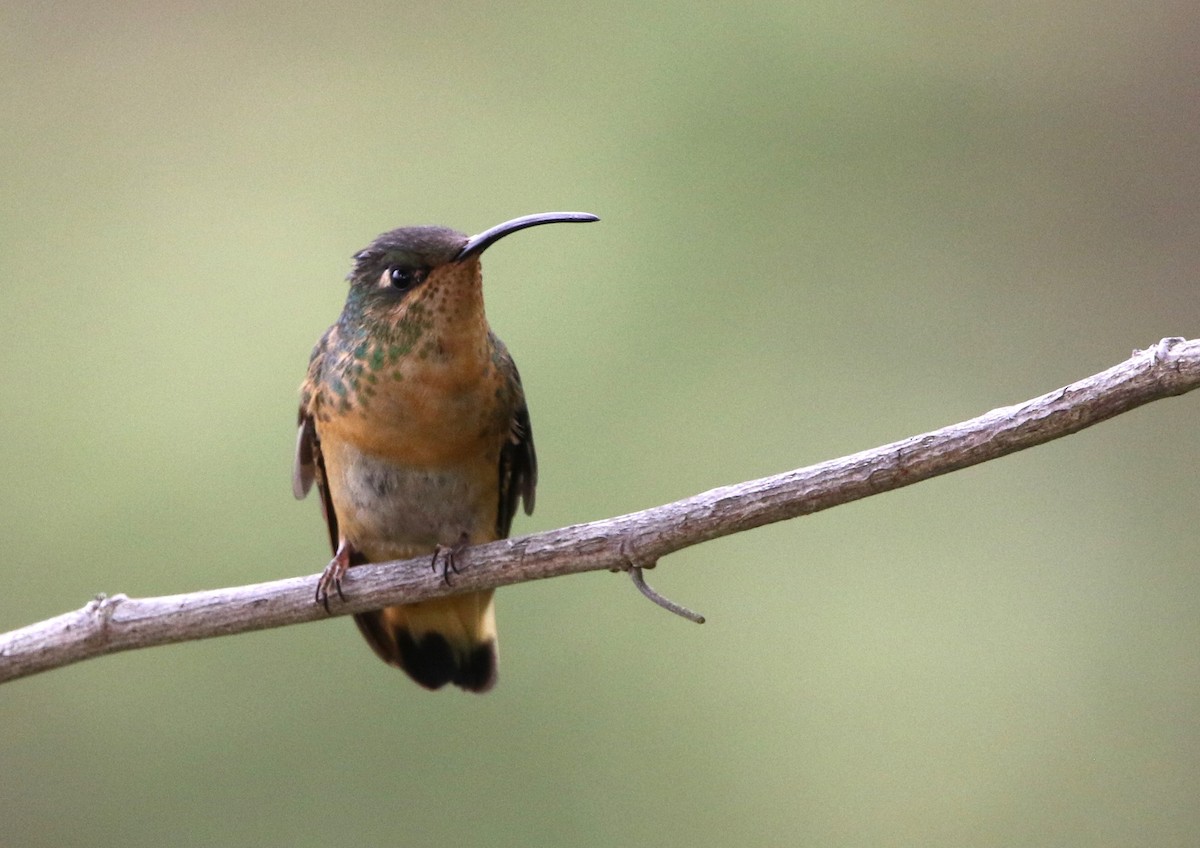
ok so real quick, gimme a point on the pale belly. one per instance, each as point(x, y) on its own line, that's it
point(392, 511)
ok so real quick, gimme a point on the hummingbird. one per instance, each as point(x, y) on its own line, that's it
point(413, 426)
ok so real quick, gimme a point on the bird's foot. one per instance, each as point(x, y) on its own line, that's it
point(449, 555)
point(331, 577)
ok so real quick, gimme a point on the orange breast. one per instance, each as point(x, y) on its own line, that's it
point(415, 463)
point(428, 414)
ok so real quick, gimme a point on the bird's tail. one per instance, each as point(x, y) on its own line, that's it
point(444, 640)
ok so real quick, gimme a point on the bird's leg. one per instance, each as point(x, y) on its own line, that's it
point(332, 576)
point(450, 555)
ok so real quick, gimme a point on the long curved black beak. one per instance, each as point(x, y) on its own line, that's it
point(478, 244)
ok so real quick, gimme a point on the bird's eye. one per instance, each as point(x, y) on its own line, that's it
point(401, 278)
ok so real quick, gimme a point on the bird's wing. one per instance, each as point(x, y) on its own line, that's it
point(518, 461)
point(310, 466)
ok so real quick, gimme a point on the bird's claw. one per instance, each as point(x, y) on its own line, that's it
point(449, 555)
point(331, 577)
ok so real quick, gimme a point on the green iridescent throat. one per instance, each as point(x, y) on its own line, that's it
point(369, 345)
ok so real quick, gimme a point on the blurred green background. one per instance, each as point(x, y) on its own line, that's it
point(826, 226)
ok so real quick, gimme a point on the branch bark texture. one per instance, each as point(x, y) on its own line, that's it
point(119, 623)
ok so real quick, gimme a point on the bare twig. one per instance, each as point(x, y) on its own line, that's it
point(639, 580)
point(119, 623)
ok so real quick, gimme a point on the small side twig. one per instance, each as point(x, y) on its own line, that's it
point(635, 574)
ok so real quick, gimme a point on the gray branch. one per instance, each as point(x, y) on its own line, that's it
point(634, 541)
